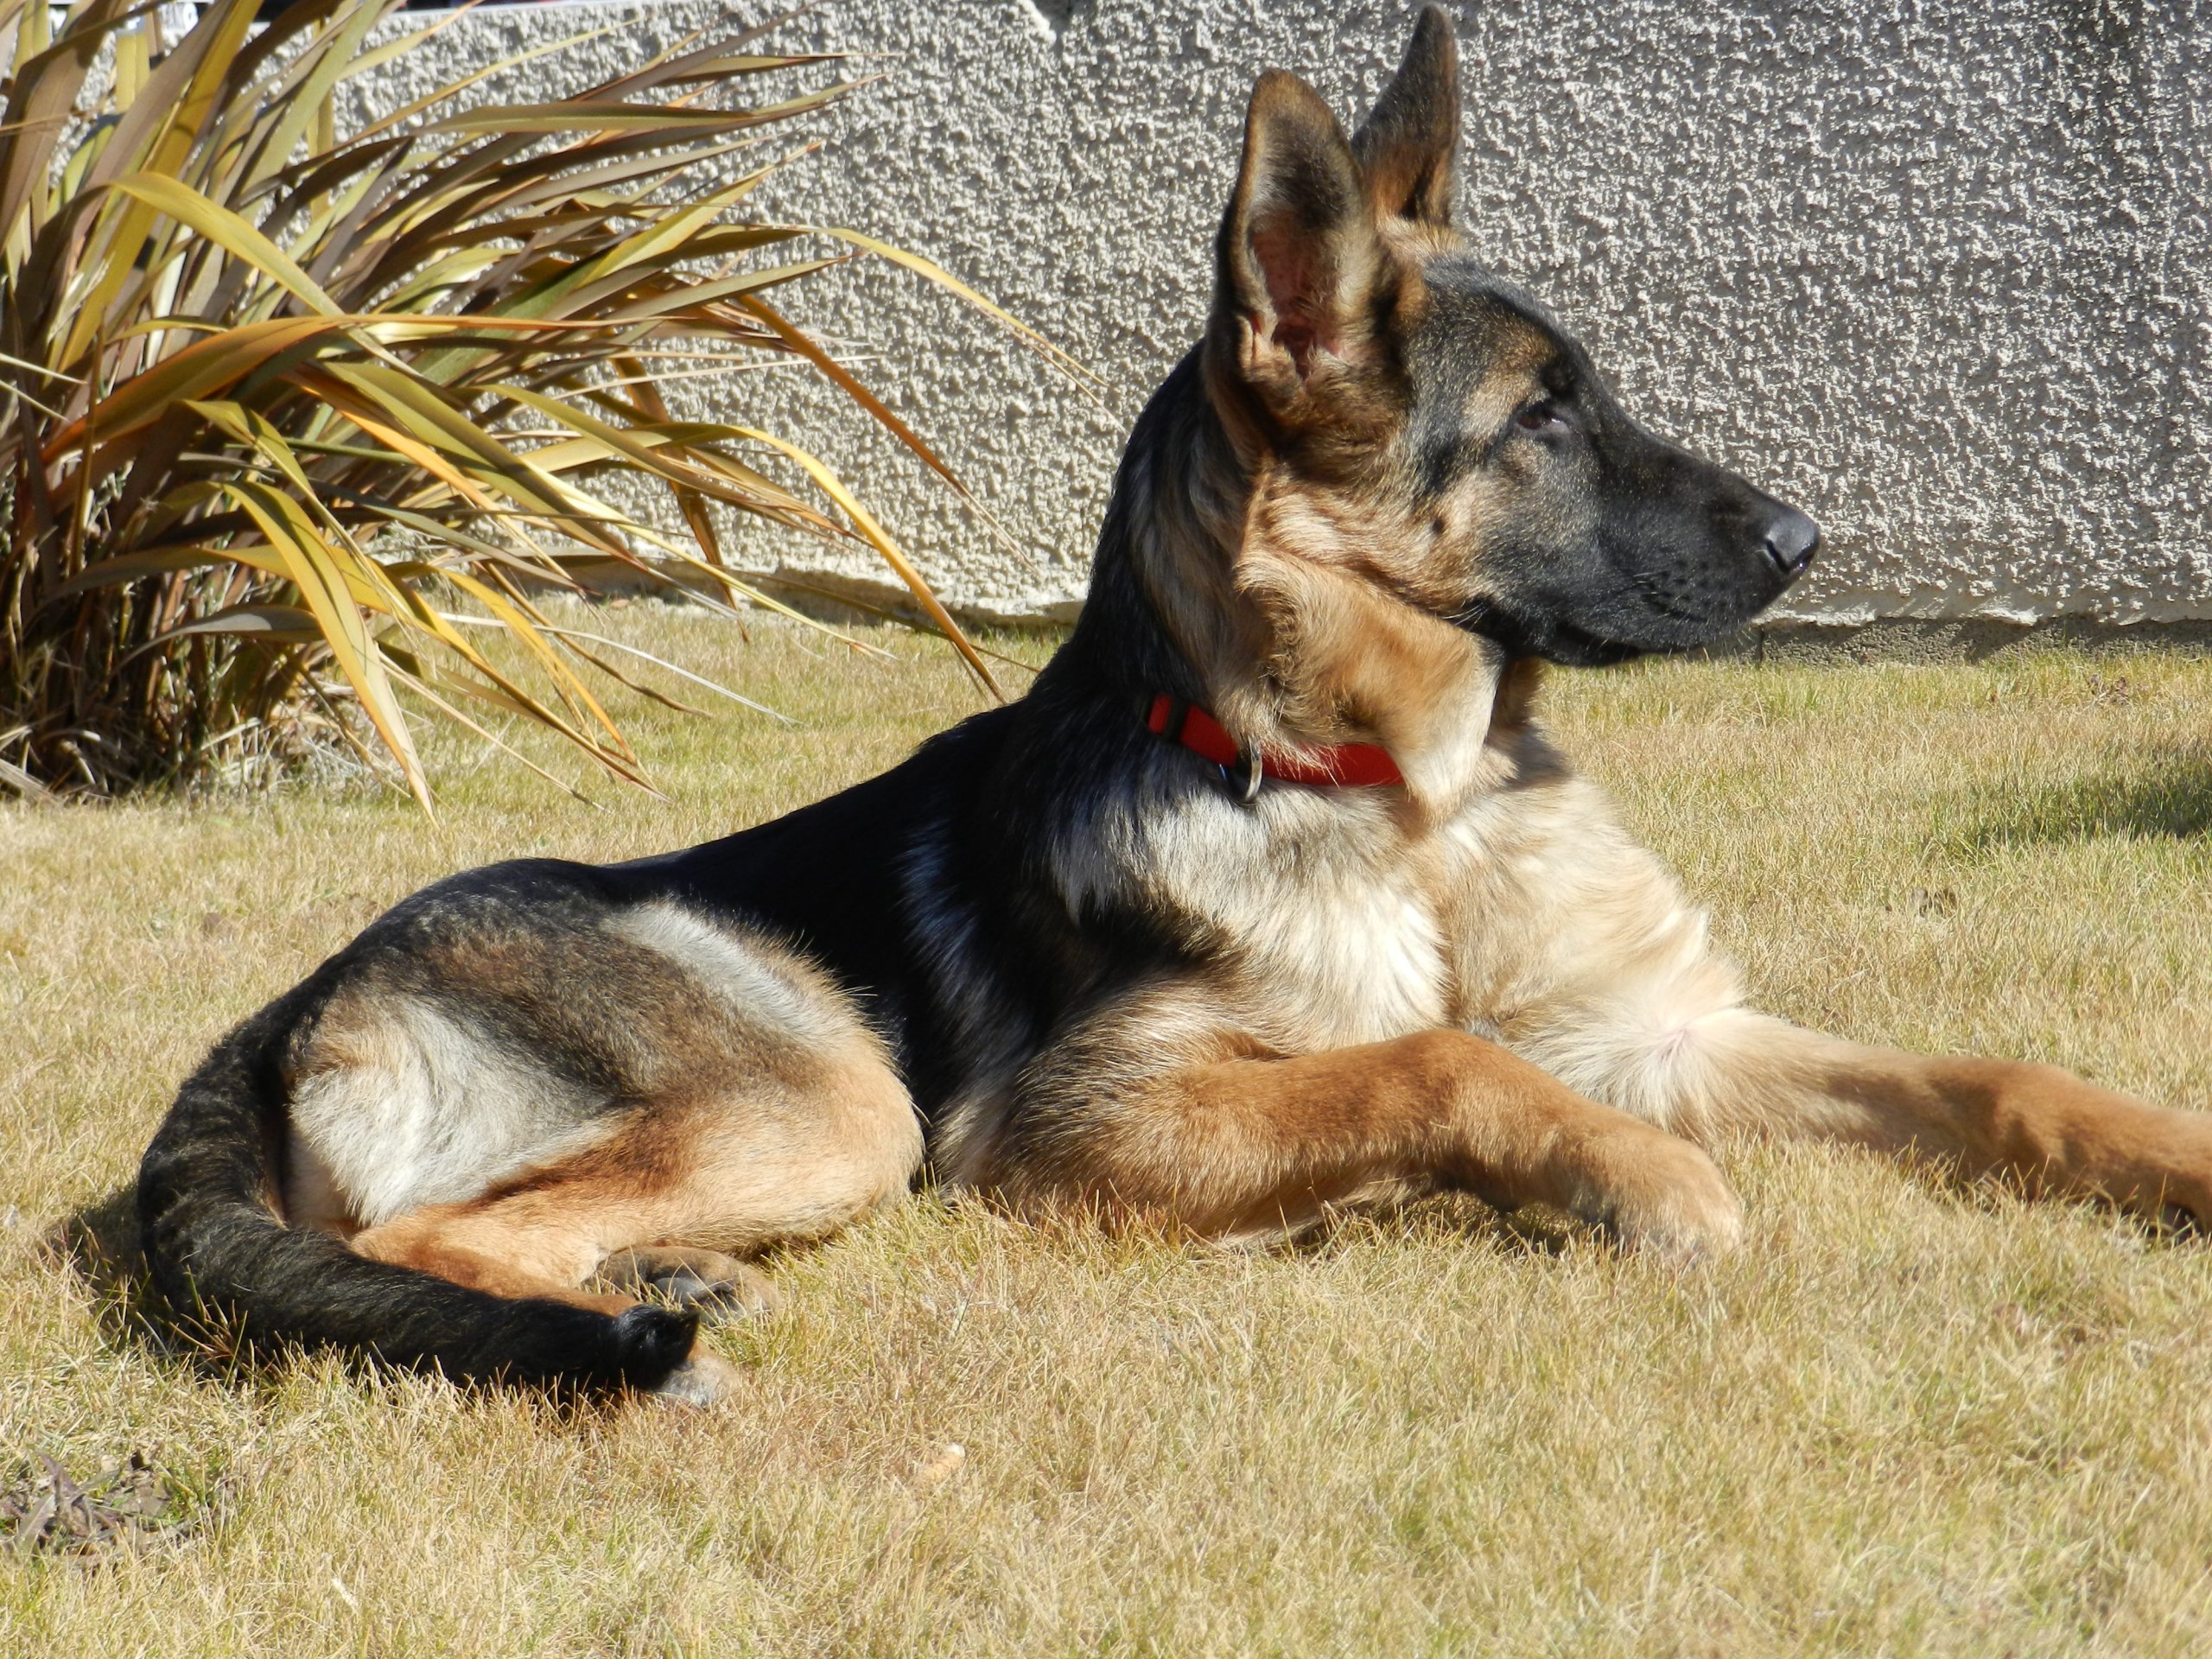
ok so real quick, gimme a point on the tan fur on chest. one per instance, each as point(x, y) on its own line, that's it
point(1322, 944)
point(1337, 917)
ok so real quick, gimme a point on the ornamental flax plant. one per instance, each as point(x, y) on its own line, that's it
point(297, 428)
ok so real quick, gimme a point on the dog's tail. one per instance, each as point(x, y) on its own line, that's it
point(218, 1253)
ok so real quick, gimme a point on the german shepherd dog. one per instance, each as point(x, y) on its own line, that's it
point(1269, 898)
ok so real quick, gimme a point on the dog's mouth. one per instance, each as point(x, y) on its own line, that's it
point(1643, 617)
point(1557, 640)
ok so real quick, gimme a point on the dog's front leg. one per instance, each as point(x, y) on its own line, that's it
point(2047, 1129)
point(1235, 1147)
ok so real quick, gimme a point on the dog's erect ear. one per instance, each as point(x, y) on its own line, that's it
point(1409, 147)
point(1299, 251)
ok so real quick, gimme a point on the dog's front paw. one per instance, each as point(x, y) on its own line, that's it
point(2167, 1171)
point(1659, 1195)
point(2064, 1134)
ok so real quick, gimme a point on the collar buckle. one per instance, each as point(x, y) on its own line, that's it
point(1242, 766)
point(1243, 777)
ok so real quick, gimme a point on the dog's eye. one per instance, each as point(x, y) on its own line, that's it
point(1538, 417)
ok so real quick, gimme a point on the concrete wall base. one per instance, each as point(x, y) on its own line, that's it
point(1911, 641)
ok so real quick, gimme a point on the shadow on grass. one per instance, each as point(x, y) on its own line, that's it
point(1447, 1218)
point(2165, 795)
point(98, 1242)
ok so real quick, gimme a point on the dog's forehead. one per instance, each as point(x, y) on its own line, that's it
point(1481, 350)
point(1479, 334)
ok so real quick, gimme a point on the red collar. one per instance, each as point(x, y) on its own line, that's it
point(1357, 765)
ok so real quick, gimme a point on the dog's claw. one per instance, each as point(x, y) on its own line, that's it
point(737, 1297)
point(715, 1285)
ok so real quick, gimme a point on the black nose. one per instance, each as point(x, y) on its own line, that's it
point(1791, 541)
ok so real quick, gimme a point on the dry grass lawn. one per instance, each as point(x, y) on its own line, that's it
point(1905, 1420)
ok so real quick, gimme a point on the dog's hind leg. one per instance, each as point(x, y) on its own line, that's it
point(669, 1200)
point(534, 1097)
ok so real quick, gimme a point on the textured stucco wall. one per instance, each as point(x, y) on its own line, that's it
point(1940, 272)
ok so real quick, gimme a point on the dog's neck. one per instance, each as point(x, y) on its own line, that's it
point(1200, 590)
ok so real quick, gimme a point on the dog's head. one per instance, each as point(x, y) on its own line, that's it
point(1411, 422)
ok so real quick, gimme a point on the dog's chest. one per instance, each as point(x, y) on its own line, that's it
point(1334, 927)
point(1336, 954)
